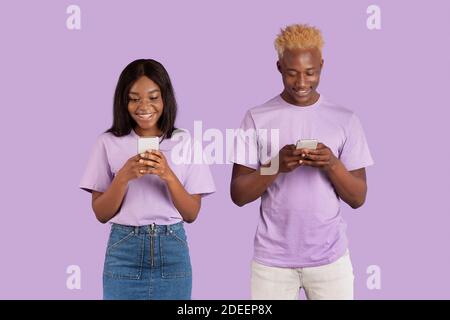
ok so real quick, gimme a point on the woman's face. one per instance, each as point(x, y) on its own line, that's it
point(145, 105)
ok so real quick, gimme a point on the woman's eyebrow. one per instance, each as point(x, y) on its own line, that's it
point(150, 91)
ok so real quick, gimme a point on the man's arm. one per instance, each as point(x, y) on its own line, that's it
point(248, 184)
point(351, 186)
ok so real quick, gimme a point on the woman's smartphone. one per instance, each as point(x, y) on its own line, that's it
point(307, 144)
point(148, 143)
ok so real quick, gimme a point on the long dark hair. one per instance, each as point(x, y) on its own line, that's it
point(123, 123)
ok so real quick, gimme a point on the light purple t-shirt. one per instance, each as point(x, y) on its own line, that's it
point(300, 221)
point(147, 199)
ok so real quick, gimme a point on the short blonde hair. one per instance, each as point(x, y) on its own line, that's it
point(300, 36)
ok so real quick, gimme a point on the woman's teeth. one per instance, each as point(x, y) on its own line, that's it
point(146, 116)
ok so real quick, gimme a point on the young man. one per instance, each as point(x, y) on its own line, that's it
point(300, 241)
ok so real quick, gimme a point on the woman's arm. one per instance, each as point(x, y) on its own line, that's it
point(107, 204)
point(188, 205)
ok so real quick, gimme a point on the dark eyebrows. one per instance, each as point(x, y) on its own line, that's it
point(307, 69)
point(149, 92)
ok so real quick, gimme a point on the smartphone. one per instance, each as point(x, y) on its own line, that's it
point(307, 144)
point(148, 143)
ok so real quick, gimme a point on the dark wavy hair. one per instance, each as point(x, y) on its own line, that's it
point(123, 123)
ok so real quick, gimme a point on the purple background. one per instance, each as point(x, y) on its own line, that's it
point(57, 87)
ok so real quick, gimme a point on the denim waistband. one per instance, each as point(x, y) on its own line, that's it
point(150, 229)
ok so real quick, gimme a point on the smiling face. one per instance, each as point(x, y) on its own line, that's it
point(145, 106)
point(300, 70)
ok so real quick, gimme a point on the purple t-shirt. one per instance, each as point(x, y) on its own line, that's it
point(147, 199)
point(300, 221)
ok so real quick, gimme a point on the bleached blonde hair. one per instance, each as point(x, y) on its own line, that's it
point(301, 36)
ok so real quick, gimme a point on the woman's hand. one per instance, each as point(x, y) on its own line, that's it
point(132, 169)
point(156, 164)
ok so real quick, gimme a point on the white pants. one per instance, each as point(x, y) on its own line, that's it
point(333, 281)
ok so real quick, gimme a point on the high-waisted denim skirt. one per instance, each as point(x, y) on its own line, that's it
point(147, 262)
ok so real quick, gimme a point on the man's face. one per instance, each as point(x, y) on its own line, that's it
point(300, 70)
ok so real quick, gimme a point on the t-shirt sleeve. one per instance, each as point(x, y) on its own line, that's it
point(355, 153)
point(97, 175)
point(245, 147)
point(199, 180)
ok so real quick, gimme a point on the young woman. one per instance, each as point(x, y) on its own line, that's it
point(145, 196)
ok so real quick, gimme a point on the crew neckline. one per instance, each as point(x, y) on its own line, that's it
point(134, 134)
point(311, 107)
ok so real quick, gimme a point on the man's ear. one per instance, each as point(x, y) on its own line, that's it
point(279, 66)
point(321, 64)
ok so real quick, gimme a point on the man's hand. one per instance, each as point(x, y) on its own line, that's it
point(287, 160)
point(322, 157)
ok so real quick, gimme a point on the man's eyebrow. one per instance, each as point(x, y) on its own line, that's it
point(310, 68)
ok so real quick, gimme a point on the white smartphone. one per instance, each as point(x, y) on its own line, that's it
point(148, 143)
point(307, 144)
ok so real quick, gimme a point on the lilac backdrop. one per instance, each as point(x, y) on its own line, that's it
point(57, 87)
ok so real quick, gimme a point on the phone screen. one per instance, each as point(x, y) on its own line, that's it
point(148, 143)
point(307, 144)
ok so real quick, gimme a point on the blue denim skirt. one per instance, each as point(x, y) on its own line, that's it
point(147, 263)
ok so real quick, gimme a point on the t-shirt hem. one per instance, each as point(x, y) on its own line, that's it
point(359, 166)
point(142, 224)
point(251, 166)
point(297, 264)
point(90, 188)
point(203, 193)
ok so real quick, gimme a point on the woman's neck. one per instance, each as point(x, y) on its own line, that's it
point(151, 132)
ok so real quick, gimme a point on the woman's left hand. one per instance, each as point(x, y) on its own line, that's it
point(157, 164)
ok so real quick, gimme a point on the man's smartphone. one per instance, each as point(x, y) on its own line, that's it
point(307, 144)
point(148, 143)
